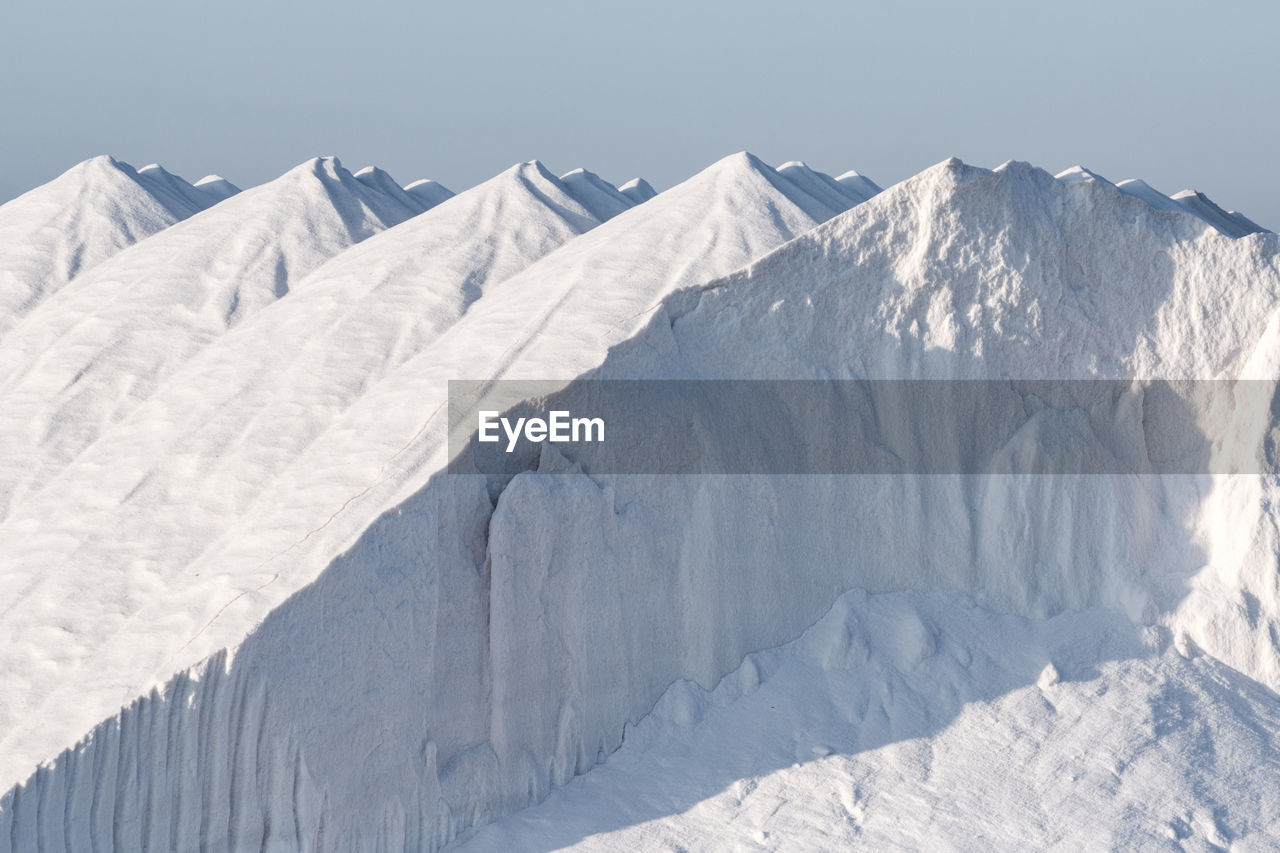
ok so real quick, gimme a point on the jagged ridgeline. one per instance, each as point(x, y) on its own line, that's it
point(253, 607)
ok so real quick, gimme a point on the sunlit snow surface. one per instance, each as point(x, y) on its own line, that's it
point(923, 722)
point(222, 509)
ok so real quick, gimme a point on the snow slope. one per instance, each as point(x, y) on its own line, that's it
point(353, 320)
point(104, 343)
point(472, 643)
point(51, 234)
point(1000, 733)
point(711, 225)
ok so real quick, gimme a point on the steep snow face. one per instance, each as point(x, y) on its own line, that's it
point(597, 592)
point(474, 643)
point(959, 273)
point(69, 225)
point(103, 344)
point(200, 584)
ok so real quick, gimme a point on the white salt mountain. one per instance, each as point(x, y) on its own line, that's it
point(217, 186)
point(1229, 222)
point(464, 645)
point(638, 190)
point(859, 183)
point(959, 273)
point(53, 233)
point(102, 344)
point(351, 322)
point(710, 225)
point(380, 180)
point(429, 192)
point(1199, 205)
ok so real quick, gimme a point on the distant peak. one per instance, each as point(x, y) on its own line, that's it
point(859, 183)
point(740, 163)
point(532, 167)
point(101, 160)
point(103, 166)
point(601, 198)
point(1018, 167)
point(1137, 184)
point(429, 192)
point(1079, 174)
point(321, 167)
point(638, 190)
point(216, 186)
point(423, 184)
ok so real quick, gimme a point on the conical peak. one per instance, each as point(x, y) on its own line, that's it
point(1080, 174)
point(429, 192)
point(638, 190)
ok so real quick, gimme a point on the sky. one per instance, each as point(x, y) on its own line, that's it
point(1182, 94)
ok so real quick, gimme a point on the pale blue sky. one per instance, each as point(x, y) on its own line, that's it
point(1180, 93)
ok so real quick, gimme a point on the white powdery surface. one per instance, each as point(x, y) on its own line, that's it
point(104, 343)
point(249, 470)
point(58, 230)
point(415, 653)
point(923, 722)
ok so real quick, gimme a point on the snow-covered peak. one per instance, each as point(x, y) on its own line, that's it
point(429, 192)
point(135, 318)
point(638, 190)
point(1140, 189)
point(1079, 174)
point(1197, 204)
point(217, 186)
point(828, 190)
point(859, 183)
point(380, 180)
point(58, 230)
point(1229, 222)
point(161, 182)
point(602, 198)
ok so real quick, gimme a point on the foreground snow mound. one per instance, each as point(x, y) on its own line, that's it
point(922, 722)
point(53, 233)
point(212, 554)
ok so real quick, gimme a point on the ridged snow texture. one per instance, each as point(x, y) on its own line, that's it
point(415, 652)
